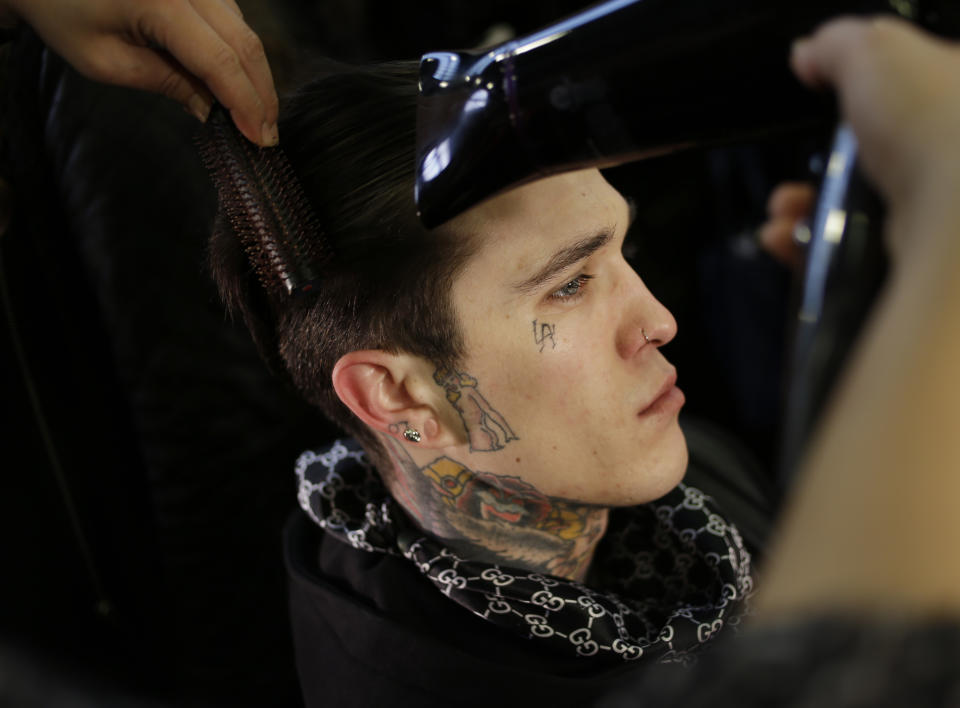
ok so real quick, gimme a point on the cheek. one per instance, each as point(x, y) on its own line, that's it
point(565, 386)
point(546, 368)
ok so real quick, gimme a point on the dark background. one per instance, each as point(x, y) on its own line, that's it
point(147, 466)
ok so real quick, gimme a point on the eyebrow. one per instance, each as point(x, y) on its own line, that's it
point(563, 259)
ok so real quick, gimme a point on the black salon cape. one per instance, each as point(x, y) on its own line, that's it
point(371, 630)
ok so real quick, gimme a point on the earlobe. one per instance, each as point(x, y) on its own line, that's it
point(382, 390)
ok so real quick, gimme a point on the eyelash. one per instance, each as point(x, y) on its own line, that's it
point(580, 281)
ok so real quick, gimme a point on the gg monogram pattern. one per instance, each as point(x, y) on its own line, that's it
point(673, 572)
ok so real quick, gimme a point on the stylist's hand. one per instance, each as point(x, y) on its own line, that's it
point(900, 90)
point(873, 528)
point(188, 50)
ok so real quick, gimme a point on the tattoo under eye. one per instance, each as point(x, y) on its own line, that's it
point(544, 332)
point(572, 290)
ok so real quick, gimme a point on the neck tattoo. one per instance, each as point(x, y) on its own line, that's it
point(489, 517)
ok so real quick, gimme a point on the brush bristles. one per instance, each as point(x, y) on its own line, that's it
point(266, 207)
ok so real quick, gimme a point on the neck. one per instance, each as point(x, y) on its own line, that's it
point(495, 518)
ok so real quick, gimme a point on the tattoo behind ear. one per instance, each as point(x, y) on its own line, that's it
point(486, 428)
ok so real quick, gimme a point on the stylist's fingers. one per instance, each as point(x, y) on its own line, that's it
point(247, 45)
point(792, 199)
point(158, 71)
point(776, 237)
point(236, 8)
point(204, 53)
point(822, 58)
point(788, 205)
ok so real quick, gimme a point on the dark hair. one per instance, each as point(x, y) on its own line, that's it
point(350, 138)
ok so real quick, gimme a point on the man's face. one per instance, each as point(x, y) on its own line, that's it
point(554, 320)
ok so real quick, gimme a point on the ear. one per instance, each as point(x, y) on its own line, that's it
point(390, 392)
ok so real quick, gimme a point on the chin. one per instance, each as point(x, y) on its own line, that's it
point(662, 474)
point(675, 469)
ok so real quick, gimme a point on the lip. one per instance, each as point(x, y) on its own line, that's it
point(667, 396)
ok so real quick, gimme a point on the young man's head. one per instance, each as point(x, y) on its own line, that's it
point(515, 339)
point(350, 139)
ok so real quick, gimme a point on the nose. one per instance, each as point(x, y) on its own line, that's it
point(644, 319)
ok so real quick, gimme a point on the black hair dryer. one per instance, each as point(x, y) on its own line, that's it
point(630, 79)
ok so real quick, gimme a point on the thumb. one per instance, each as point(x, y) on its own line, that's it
point(821, 59)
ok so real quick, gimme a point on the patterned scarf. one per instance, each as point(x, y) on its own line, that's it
point(673, 571)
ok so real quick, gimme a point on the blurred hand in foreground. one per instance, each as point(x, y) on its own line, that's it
point(871, 523)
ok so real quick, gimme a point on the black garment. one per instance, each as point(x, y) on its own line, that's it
point(372, 629)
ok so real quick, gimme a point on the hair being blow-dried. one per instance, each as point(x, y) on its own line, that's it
point(350, 139)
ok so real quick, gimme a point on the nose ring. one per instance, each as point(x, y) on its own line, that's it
point(645, 337)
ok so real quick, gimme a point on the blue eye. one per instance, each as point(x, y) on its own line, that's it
point(572, 290)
